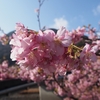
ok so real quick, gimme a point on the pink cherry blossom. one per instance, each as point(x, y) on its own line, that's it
point(45, 56)
point(88, 53)
point(63, 36)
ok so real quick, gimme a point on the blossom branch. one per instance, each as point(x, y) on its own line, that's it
point(62, 87)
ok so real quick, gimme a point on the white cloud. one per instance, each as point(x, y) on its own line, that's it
point(96, 11)
point(58, 22)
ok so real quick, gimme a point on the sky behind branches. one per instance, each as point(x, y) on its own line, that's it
point(54, 13)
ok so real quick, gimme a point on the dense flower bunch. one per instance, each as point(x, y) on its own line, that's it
point(72, 72)
point(7, 72)
point(48, 51)
point(83, 84)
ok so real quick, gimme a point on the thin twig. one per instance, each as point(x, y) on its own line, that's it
point(38, 15)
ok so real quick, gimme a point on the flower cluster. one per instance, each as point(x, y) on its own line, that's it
point(7, 72)
point(49, 51)
point(77, 84)
point(72, 72)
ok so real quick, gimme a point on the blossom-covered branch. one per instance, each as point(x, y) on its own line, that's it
point(70, 70)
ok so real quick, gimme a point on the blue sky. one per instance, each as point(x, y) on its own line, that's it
point(54, 13)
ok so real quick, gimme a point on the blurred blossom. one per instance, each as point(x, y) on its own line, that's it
point(4, 39)
point(36, 10)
